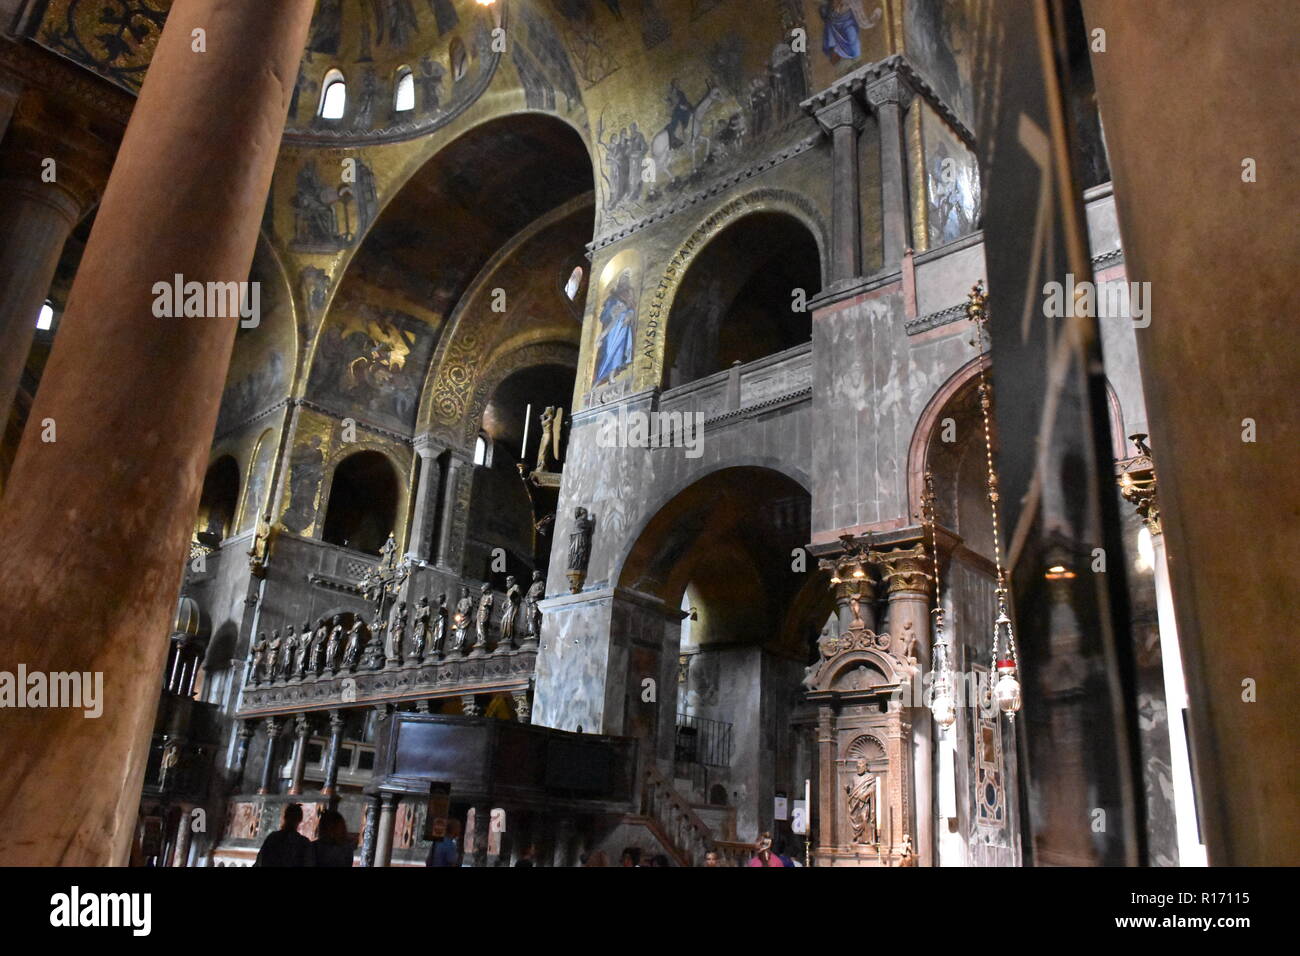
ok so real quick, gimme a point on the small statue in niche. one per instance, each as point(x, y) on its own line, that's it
point(810, 676)
point(862, 804)
point(353, 650)
point(421, 632)
point(258, 657)
point(396, 634)
point(332, 647)
point(579, 548)
point(288, 652)
point(509, 613)
point(439, 626)
point(484, 619)
point(909, 649)
point(306, 650)
point(532, 610)
point(273, 654)
point(464, 617)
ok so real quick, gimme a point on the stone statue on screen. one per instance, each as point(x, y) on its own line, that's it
point(579, 548)
point(510, 612)
point(273, 653)
point(258, 656)
point(484, 619)
point(335, 639)
point(532, 610)
point(439, 626)
point(306, 650)
point(548, 451)
point(352, 653)
point(420, 635)
point(464, 618)
point(288, 653)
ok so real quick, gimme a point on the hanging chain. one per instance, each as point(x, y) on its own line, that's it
point(928, 516)
point(977, 311)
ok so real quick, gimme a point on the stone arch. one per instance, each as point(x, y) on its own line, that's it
point(928, 423)
point(653, 324)
point(352, 451)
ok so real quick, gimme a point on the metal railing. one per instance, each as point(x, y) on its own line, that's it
point(703, 741)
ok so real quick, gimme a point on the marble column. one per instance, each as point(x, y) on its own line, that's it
point(122, 480)
point(243, 737)
point(843, 121)
point(370, 832)
point(426, 502)
point(183, 836)
point(44, 143)
point(907, 582)
point(384, 835)
point(302, 730)
point(826, 783)
point(889, 96)
point(446, 533)
point(331, 781)
point(268, 764)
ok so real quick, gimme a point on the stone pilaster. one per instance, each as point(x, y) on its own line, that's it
point(843, 120)
point(420, 545)
point(889, 97)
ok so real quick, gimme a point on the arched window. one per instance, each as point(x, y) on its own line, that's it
point(482, 451)
point(333, 96)
point(574, 284)
point(362, 508)
point(45, 320)
point(404, 94)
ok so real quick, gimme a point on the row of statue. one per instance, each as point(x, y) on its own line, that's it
point(316, 652)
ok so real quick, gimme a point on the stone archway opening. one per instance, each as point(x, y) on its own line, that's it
point(743, 297)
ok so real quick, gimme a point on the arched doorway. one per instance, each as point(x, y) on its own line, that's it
point(744, 297)
point(362, 510)
point(727, 551)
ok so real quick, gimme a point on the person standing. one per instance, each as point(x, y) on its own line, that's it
point(286, 846)
point(333, 846)
point(446, 852)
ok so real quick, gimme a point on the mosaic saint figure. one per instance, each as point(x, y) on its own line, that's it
point(843, 21)
point(617, 318)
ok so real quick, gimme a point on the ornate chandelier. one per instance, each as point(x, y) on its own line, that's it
point(1005, 664)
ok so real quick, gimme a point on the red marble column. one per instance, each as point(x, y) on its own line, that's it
point(94, 525)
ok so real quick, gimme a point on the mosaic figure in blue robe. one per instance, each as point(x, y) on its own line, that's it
point(844, 20)
point(617, 319)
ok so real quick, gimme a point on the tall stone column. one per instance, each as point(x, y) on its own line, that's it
point(907, 584)
point(843, 121)
point(268, 764)
point(52, 169)
point(446, 534)
point(301, 731)
point(419, 545)
point(384, 835)
point(121, 483)
point(331, 781)
point(889, 97)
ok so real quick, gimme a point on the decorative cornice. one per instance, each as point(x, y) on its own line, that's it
point(934, 320)
point(695, 198)
point(32, 67)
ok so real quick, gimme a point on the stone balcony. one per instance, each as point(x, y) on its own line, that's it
point(505, 671)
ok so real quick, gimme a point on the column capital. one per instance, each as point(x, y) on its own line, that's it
point(42, 130)
point(303, 725)
point(892, 88)
point(845, 111)
point(905, 569)
point(427, 446)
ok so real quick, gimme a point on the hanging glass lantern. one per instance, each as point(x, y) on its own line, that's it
point(943, 692)
point(1006, 686)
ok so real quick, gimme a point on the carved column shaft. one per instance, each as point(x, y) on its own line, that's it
point(330, 783)
point(268, 765)
point(384, 835)
point(301, 732)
